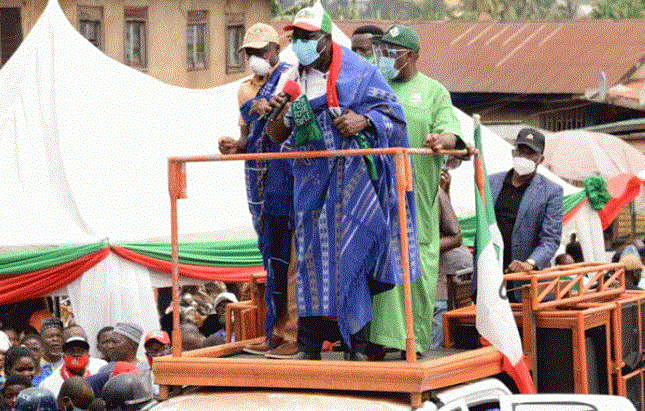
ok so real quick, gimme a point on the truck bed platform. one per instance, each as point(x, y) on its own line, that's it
point(226, 366)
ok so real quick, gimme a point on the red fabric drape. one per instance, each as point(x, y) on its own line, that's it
point(20, 287)
point(612, 208)
point(206, 273)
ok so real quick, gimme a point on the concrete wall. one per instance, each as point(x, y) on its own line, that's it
point(166, 25)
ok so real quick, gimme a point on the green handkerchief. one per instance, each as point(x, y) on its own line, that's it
point(305, 121)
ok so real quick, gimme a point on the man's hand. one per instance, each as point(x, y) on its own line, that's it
point(434, 142)
point(227, 145)
point(444, 180)
point(260, 106)
point(470, 152)
point(350, 123)
point(517, 266)
point(276, 101)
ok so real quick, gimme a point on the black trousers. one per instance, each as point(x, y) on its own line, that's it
point(312, 331)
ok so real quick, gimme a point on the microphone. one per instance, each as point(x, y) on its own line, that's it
point(292, 89)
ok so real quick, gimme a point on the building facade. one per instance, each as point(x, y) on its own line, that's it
point(187, 43)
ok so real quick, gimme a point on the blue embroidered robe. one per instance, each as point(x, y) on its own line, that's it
point(269, 188)
point(347, 228)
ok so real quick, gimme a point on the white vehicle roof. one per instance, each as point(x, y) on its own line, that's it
point(565, 402)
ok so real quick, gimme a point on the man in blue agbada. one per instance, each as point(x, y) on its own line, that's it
point(269, 191)
point(345, 209)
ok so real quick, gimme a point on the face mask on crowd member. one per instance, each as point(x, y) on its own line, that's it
point(259, 65)
point(390, 60)
point(527, 154)
point(261, 47)
point(306, 49)
point(76, 355)
point(362, 41)
point(396, 52)
point(311, 34)
point(523, 165)
point(261, 61)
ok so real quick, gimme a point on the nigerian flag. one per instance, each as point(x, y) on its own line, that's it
point(494, 319)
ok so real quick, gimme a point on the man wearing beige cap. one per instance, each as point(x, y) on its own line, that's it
point(269, 189)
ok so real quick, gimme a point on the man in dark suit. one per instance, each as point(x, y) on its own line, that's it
point(528, 209)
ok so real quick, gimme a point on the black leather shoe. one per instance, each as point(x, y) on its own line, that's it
point(355, 356)
point(306, 356)
point(403, 357)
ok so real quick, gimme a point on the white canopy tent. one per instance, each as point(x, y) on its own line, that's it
point(85, 142)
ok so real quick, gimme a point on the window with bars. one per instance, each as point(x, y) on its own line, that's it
point(234, 36)
point(10, 32)
point(135, 37)
point(197, 40)
point(90, 24)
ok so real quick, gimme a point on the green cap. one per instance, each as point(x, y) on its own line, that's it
point(402, 35)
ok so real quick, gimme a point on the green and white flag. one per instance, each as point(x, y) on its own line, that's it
point(494, 319)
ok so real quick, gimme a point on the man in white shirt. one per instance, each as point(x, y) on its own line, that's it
point(76, 362)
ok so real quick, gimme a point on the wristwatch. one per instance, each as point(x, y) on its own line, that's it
point(532, 262)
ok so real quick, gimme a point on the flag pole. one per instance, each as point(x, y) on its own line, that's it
point(479, 165)
point(494, 319)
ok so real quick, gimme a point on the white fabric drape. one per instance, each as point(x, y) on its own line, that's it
point(114, 290)
point(585, 223)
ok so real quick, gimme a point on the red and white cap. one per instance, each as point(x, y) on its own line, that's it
point(158, 335)
point(311, 19)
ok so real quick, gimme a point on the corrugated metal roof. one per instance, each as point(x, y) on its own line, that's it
point(530, 57)
point(630, 90)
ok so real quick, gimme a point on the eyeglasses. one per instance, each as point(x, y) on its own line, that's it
point(382, 50)
point(256, 52)
point(304, 35)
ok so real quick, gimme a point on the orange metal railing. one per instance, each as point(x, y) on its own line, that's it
point(403, 169)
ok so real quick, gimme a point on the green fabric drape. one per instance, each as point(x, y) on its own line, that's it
point(596, 191)
point(34, 260)
point(231, 253)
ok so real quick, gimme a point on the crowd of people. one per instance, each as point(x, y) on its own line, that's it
point(56, 365)
point(53, 359)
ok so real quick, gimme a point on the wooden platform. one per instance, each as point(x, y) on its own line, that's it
point(224, 365)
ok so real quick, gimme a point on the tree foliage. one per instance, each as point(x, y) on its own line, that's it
point(621, 9)
point(503, 10)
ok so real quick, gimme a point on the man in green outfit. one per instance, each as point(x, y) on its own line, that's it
point(432, 123)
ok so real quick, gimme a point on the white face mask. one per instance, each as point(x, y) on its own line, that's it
point(523, 165)
point(259, 65)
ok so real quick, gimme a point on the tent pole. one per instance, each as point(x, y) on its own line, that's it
point(632, 215)
point(177, 190)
